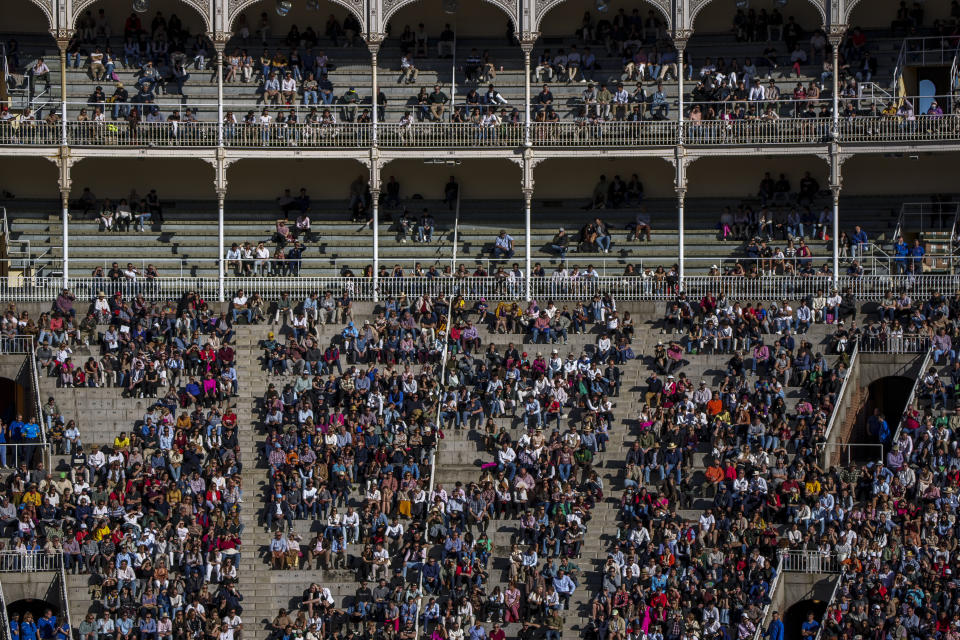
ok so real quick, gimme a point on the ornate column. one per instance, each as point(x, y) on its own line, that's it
point(527, 40)
point(374, 40)
point(63, 40)
point(835, 37)
point(680, 37)
point(680, 161)
point(836, 183)
point(375, 165)
point(527, 165)
point(219, 46)
point(220, 165)
point(64, 163)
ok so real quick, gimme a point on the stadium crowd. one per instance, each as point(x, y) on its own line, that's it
point(152, 517)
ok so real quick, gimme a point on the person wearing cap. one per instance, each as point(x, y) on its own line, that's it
point(560, 243)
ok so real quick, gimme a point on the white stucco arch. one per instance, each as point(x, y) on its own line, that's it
point(696, 6)
point(202, 7)
point(236, 7)
point(663, 6)
point(390, 7)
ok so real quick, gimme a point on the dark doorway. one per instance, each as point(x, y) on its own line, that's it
point(36, 607)
point(889, 395)
point(796, 615)
point(8, 399)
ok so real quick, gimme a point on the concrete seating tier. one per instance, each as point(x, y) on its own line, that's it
point(353, 70)
point(188, 239)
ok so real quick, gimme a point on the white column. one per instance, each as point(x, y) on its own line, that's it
point(221, 253)
point(219, 46)
point(835, 190)
point(681, 197)
point(527, 197)
point(375, 196)
point(65, 205)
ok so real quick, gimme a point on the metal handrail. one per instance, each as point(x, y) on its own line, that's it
point(823, 619)
point(759, 633)
point(35, 375)
point(4, 621)
point(913, 392)
point(843, 389)
point(31, 562)
point(65, 596)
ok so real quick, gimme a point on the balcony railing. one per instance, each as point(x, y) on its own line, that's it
point(810, 562)
point(649, 133)
point(29, 561)
point(426, 135)
point(865, 288)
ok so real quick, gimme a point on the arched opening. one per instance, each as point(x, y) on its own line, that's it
point(250, 212)
point(629, 187)
point(798, 614)
point(259, 24)
point(570, 16)
point(36, 608)
point(117, 20)
point(776, 186)
point(26, 35)
point(718, 16)
point(325, 43)
point(487, 205)
point(460, 52)
point(178, 234)
point(882, 15)
point(27, 22)
point(739, 46)
point(157, 62)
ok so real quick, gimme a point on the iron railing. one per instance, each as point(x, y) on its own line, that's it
point(30, 561)
point(865, 288)
point(909, 343)
point(649, 133)
point(795, 561)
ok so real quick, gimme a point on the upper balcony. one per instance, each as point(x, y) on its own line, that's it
point(657, 114)
point(180, 131)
